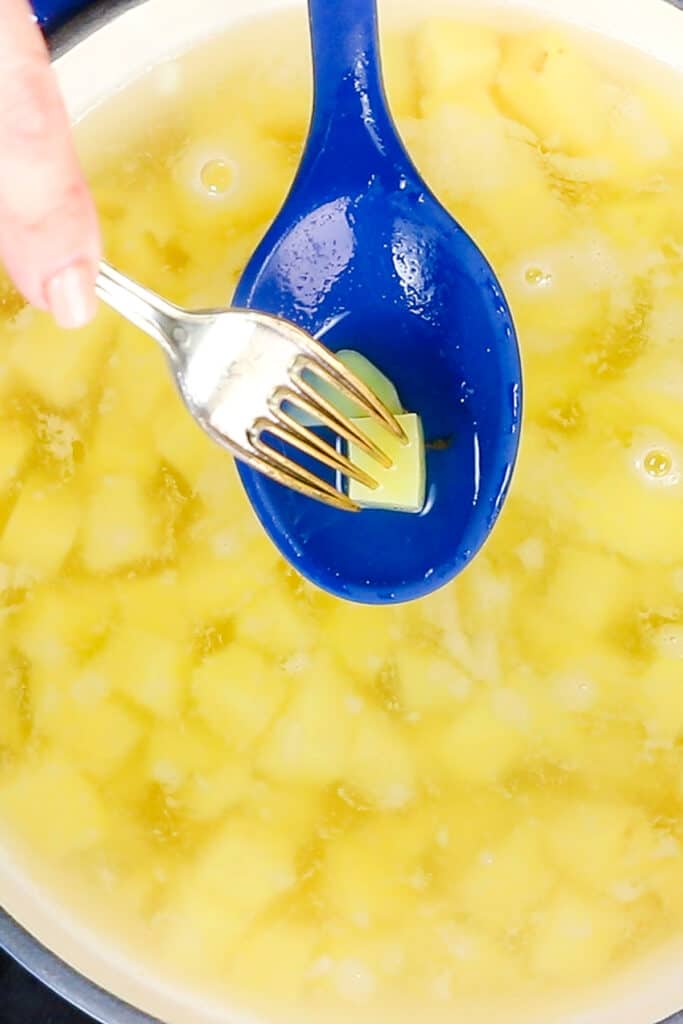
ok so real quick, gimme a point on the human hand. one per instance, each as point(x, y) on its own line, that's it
point(49, 233)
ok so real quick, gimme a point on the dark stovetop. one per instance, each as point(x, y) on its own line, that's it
point(23, 1000)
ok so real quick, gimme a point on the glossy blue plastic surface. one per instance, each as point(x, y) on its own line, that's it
point(51, 13)
point(363, 256)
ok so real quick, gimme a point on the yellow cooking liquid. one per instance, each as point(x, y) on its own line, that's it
point(266, 794)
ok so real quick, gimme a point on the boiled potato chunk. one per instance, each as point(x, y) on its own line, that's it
point(15, 444)
point(149, 669)
point(236, 876)
point(577, 936)
point(454, 60)
point(310, 742)
point(564, 85)
point(76, 716)
point(42, 526)
point(298, 806)
point(237, 693)
point(401, 487)
point(120, 528)
point(56, 812)
point(60, 367)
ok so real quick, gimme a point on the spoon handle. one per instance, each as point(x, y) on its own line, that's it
point(349, 94)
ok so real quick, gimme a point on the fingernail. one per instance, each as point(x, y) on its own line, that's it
point(71, 296)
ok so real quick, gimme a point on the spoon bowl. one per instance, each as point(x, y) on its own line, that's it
point(363, 256)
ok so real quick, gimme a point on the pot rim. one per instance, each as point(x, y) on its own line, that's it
point(39, 961)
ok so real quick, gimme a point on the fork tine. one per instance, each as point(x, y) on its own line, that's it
point(308, 400)
point(323, 364)
point(305, 440)
point(283, 469)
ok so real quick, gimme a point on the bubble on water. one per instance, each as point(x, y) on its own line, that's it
point(657, 463)
point(354, 980)
point(537, 278)
point(218, 176)
point(657, 460)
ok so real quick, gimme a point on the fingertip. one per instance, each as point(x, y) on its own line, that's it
point(70, 295)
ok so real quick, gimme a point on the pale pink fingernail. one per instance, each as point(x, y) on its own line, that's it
point(71, 296)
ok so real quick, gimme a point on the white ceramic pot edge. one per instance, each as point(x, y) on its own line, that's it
point(155, 30)
point(100, 65)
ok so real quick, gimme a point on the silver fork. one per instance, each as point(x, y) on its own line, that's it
point(242, 375)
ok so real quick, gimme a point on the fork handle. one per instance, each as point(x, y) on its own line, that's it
point(140, 306)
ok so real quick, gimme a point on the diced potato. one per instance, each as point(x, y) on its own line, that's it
point(289, 949)
point(479, 746)
point(42, 526)
point(64, 623)
point(235, 877)
point(367, 372)
point(550, 85)
point(15, 444)
point(149, 669)
point(286, 81)
point(14, 709)
point(399, 70)
point(660, 699)
point(138, 379)
point(154, 603)
point(402, 486)
point(374, 874)
point(564, 285)
point(120, 528)
point(119, 445)
point(496, 185)
point(272, 621)
point(310, 742)
point(430, 682)
point(182, 443)
point(454, 60)
point(577, 936)
point(71, 816)
point(237, 693)
point(372, 638)
point(382, 767)
point(60, 367)
point(589, 591)
point(75, 715)
point(209, 795)
point(507, 883)
point(600, 842)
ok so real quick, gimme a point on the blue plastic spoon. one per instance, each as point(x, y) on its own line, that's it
point(363, 256)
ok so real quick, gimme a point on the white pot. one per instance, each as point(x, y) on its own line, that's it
point(96, 57)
